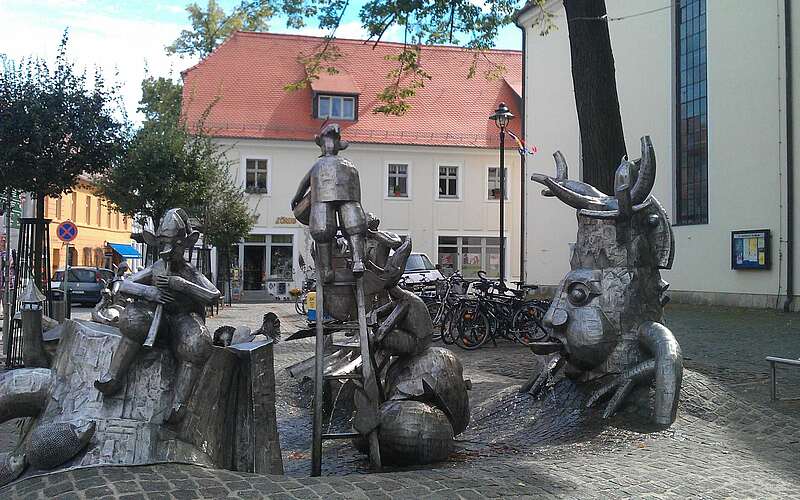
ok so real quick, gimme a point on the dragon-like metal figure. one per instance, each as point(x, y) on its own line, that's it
point(606, 321)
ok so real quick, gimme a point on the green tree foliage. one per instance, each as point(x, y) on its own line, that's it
point(168, 165)
point(464, 23)
point(56, 124)
point(212, 26)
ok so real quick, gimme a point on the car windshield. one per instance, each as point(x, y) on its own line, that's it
point(83, 275)
point(418, 262)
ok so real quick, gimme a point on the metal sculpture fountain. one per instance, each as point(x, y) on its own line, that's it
point(606, 321)
point(422, 400)
point(144, 384)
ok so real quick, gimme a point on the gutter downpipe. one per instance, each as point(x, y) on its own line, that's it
point(523, 227)
point(787, 28)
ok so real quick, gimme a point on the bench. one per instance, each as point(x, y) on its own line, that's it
point(773, 361)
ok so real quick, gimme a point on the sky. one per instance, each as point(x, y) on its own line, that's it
point(126, 39)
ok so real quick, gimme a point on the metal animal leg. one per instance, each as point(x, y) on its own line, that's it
point(623, 385)
point(536, 383)
point(658, 339)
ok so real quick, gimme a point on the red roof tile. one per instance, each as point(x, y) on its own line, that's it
point(248, 72)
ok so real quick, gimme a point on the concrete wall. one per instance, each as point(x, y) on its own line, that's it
point(746, 135)
point(422, 216)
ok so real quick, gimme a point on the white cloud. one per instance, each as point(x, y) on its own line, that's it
point(120, 47)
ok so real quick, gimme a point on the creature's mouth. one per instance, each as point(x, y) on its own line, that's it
point(546, 346)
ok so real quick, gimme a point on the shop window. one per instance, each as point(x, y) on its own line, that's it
point(469, 254)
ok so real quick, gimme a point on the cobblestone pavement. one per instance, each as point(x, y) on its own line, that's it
point(729, 440)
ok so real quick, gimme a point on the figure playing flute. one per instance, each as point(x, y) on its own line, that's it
point(174, 285)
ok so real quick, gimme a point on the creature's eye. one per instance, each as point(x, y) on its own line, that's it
point(578, 294)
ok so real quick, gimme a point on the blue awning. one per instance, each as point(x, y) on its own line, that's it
point(125, 251)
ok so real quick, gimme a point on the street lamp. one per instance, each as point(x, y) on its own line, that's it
point(501, 117)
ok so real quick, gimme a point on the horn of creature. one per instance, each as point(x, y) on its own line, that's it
point(647, 172)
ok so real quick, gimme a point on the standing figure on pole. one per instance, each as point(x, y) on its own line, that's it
point(333, 188)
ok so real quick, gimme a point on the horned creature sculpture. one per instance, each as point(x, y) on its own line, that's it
point(605, 321)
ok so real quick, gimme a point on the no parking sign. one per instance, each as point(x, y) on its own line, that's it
point(67, 231)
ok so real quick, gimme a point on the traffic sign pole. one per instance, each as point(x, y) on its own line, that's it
point(67, 231)
point(65, 284)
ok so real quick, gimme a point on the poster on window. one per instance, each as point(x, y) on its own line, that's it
point(750, 249)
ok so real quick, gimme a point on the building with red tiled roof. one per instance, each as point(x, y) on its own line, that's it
point(430, 174)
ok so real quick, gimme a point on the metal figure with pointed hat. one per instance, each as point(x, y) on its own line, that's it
point(183, 292)
point(333, 189)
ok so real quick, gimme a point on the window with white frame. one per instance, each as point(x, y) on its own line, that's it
point(397, 180)
point(336, 106)
point(493, 188)
point(448, 181)
point(256, 175)
point(469, 254)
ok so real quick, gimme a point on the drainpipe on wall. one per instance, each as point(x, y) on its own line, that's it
point(787, 28)
point(523, 178)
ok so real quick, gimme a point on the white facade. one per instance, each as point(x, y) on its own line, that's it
point(423, 214)
point(747, 119)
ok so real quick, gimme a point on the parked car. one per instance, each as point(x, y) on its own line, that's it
point(420, 269)
point(85, 284)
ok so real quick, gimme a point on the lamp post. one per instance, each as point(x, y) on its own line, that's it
point(501, 117)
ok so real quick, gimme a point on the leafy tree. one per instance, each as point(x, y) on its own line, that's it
point(56, 123)
point(210, 27)
point(166, 166)
point(226, 220)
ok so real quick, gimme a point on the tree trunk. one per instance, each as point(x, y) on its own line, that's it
point(596, 100)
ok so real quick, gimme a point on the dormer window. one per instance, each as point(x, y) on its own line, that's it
point(336, 106)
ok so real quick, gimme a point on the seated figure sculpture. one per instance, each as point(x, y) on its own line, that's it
point(183, 292)
point(606, 320)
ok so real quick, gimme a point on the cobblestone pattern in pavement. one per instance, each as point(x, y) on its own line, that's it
point(726, 443)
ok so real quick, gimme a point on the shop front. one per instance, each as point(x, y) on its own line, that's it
point(264, 266)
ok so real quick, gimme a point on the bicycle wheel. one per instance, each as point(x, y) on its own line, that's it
point(448, 329)
point(527, 323)
point(472, 328)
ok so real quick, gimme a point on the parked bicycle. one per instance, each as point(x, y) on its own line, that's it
point(498, 311)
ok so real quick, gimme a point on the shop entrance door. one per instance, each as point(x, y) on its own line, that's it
point(254, 266)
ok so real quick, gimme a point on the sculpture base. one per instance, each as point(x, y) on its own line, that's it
point(230, 421)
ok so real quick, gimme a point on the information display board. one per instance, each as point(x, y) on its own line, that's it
point(750, 249)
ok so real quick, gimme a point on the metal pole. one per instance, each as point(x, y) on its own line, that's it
point(502, 205)
point(65, 285)
point(7, 277)
point(319, 363)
